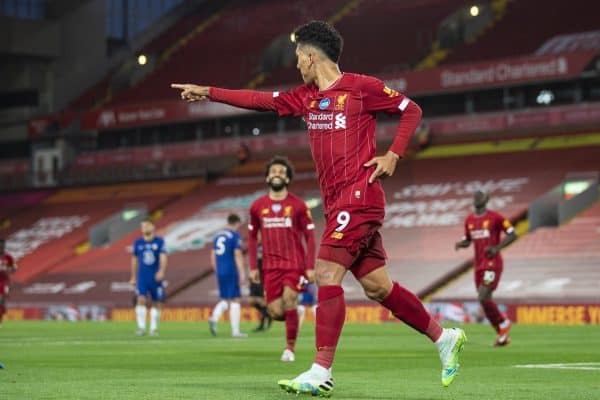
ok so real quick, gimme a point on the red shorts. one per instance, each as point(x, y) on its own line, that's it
point(275, 279)
point(4, 287)
point(351, 238)
point(488, 273)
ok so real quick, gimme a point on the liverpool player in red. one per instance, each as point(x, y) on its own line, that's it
point(339, 110)
point(484, 228)
point(7, 267)
point(283, 220)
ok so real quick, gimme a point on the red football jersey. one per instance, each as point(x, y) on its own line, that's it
point(341, 128)
point(282, 225)
point(7, 264)
point(484, 231)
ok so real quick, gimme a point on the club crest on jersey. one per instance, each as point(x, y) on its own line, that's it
point(486, 224)
point(276, 208)
point(313, 104)
point(340, 103)
point(287, 211)
point(265, 211)
point(323, 104)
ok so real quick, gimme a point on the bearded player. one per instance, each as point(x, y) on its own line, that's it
point(284, 222)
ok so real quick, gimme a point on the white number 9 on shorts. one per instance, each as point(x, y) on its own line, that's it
point(343, 218)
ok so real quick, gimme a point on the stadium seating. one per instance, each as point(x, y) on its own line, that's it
point(547, 265)
point(109, 267)
point(428, 199)
point(421, 253)
point(506, 38)
point(60, 222)
point(213, 57)
point(383, 36)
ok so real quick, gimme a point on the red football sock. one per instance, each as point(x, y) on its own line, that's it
point(493, 314)
point(409, 309)
point(331, 312)
point(291, 328)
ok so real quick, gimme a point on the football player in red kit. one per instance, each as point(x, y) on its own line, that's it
point(283, 221)
point(7, 267)
point(483, 228)
point(340, 113)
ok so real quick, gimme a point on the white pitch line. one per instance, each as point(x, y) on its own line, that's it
point(586, 366)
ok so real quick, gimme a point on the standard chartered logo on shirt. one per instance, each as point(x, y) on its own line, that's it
point(340, 121)
point(148, 257)
point(326, 121)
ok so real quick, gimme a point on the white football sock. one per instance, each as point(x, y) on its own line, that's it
point(140, 314)
point(234, 318)
point(154, 318)
point(219, 309)
point(301, 313)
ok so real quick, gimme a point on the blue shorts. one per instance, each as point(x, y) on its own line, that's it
point(307, 297)
point(229, 286)
point(154, 288)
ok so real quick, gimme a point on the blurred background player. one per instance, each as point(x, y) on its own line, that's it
point(227, 260)
point(340, 112)
point(7, 267)
point(483, 228)
point(148, 267)
point(257, 296)
point(283, 221)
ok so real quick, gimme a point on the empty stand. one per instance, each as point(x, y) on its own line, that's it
point(382, 36)
point(49, 232)
point(214, 58)
point(109, 268)
point(547, 265)
point(508, 38)
point(427, 202)
point(420, 254)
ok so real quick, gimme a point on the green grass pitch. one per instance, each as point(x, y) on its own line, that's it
point(61, 360)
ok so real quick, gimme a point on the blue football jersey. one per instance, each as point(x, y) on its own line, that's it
point(224, 244)
point(148, 257)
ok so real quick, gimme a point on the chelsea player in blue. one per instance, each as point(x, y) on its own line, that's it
point(148, 267)
point(227, 260)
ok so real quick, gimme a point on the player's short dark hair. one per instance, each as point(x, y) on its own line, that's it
point(321, 35)
point(233, 219)
point(280, 160)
